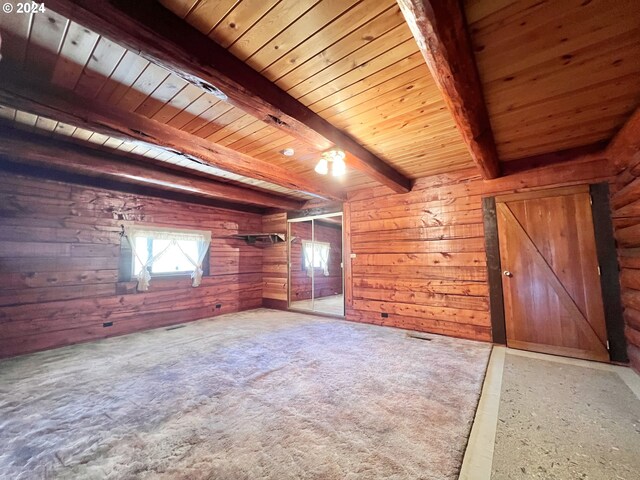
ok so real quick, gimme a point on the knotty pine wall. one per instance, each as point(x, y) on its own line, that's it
point(59, 254)
point(625, 203)
point(300, 281)
point(274, 263)
point(420, 256)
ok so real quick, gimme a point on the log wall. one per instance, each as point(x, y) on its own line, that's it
point(420, 257)
point(625, 203)
point(59, 257)
point(301, 284)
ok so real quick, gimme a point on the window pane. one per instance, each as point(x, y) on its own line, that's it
point(191, 249)
point(142, 253)
point(173, 260)
point(321, 253)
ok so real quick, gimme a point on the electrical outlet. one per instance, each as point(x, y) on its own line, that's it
point(107, 324)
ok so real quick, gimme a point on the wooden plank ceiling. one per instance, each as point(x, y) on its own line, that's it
point(555, 75)
point(354, 63)
point(42, 125)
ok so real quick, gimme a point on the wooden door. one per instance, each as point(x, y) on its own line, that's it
point(551, 285)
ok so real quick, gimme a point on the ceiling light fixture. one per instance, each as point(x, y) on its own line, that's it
point(322, 167)
point(288, 152)
point(332, 160)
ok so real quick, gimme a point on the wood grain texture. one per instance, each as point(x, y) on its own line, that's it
point(555, 75)
point(353, 63)
point(65, 287)
point(549, 85)
point(107, 120)
point(626, 221)
point(440, 30)
point(553, 300)
point(422, 253)
point(145, 26)
point(35, 149)
point(625, 146)
point(274, 266)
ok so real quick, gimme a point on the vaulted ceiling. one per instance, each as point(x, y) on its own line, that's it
point(554, 75)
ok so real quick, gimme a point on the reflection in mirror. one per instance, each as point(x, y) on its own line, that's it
point(327, 285)
point(301, 275)
point(316, 278)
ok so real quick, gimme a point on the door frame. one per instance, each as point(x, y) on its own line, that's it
point(303, 216)
point(607, 260)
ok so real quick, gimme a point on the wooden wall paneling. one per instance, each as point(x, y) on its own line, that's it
point(421, 253)
point(347, 251)
point(275, 281)
point(60, 254)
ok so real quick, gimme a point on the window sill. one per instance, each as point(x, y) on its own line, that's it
point(158, 283)
point(171, 276)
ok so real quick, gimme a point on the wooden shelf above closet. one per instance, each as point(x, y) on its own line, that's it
point(261, 238)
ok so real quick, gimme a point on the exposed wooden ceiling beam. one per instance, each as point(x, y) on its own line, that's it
point(61, 105)
point(147, 27)
point(440, 30)
point(37, 149)
point(625, 146)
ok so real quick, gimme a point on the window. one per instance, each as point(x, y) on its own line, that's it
point(174, 260)
point(163, 251)
point(316, 255)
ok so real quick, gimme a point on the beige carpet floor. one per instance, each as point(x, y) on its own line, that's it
point(260, 394)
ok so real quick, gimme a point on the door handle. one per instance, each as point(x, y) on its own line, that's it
point(507, 273)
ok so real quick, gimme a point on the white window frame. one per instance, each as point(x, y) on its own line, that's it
point(202, 237)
